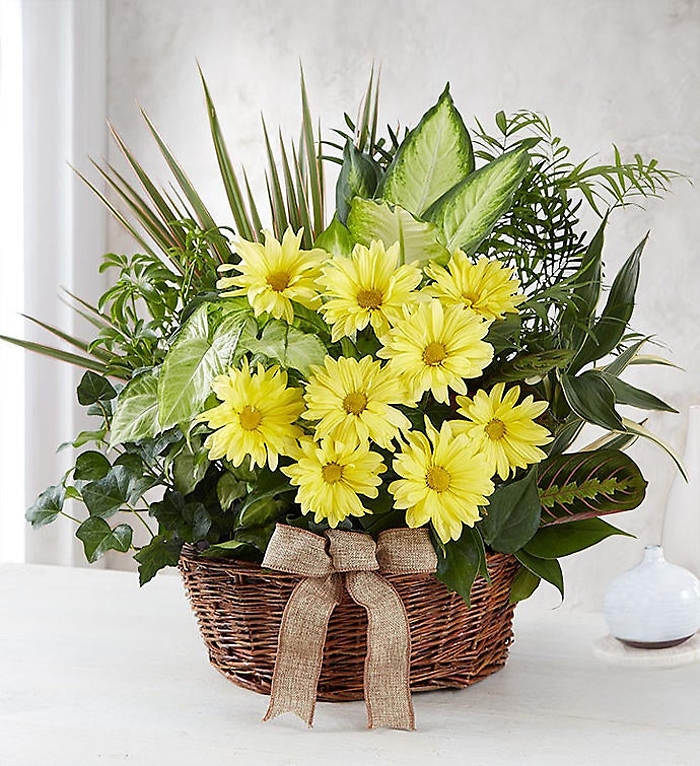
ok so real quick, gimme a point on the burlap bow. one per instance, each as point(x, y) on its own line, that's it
point(353, 560)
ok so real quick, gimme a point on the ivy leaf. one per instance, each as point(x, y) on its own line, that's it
point(90, 466)
point(47, 506)
point(94, 388)
point(459, 562)
point(98, 537)
point(190, 520)
point(513, 514)
point(162, 551)
point(123, 484)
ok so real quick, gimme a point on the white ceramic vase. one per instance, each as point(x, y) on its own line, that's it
point(654, 605)
point(681, 530)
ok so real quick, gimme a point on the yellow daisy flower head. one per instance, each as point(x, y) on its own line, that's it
point(330, 476)
point(487, 287)
point(256, 416)
point(351, 400)
point(503, 430)
point(369, 287)
point(434, 348)
point(444, 480)
point(275, 274)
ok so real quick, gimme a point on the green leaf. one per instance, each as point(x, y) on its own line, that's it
point(358, 178)
point(559, 540)
point(289, 347)
point(84, 362)
point(120, 486)
point(608, 330)
point(336, 239)
point(435, 156)
point(90, 466)
point(640, 430)
point(534, 365)
point(581, 485)
point(634, 397)
point(418, 240)
point(190, 520)
point(205, 348)
point(161, 552)
point(47, 506)
point(546, 569)
point(592, 398)
point(258, 537)
point(468, 212)
point(460, 561)
point(513, 514)
point(229, 489)
point(94, 388)
point(98, 537)
point(524, 585)
point(566, 434)
point(189, 469)
point(136, 415)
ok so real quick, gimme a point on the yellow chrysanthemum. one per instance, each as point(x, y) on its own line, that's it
point(434, 348)
point(256, 416)
point(275, 274)
point(368, 288)
point(351, 399)
point(330, 476)
point(503, 430)
point(487, 286)
point(444, 480)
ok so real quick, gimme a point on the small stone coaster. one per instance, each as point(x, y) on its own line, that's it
point(610, 650)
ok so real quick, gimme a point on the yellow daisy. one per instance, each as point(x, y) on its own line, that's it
point(256, 416)
point(487, 286)
point(352, 401)
point(275, 274)
point(503, 430)
point(444, 480)
point(330, 476)
point(434, 348)
point(370, 287)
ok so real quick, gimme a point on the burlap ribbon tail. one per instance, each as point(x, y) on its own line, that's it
point(354, 561)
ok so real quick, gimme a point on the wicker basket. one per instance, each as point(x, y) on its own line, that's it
point(239, 608)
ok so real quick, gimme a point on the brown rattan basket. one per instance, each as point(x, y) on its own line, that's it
point(239, 608)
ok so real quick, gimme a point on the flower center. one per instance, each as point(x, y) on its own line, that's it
point(370, 299)
point(278, 280)
point(332, 472)
point(249, 418)
point(437, 478)
point(495, 429)
point(469, 299)
point(434, 353)
point(355, 403)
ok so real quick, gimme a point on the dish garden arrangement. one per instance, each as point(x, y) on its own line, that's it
point(354, 428)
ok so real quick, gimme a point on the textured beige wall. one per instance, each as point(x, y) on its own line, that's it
point(626, 71)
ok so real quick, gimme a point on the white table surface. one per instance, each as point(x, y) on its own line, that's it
point(94, 670)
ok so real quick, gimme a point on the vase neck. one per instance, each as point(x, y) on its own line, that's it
point(653, 553)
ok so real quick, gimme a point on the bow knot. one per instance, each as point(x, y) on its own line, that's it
point(352, 560)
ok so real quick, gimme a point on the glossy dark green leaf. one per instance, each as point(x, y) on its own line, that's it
point(90, 466)
point(47, 506)
point(98, 537)
point(162, 551)
point(608, 330)
point(94, 388)
point(120, 486)
point(460, 561)
point(626, 393)
point(581, 485)
point(513, 514)
point(546, 569)
point(358, 178)
point(190, 520)
point(524, 585)
point(229, 489)
point(565, 435)
point(557, 540)
point(592, 398)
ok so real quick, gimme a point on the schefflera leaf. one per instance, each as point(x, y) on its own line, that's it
point(418, 240)
point(435, 156)
point(582, 485)
point(467, 213)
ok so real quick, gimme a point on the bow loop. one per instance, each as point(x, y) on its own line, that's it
point(352, 551)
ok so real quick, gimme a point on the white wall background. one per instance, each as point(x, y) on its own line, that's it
point(626, 71)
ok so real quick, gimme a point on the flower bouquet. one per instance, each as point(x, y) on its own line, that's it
point(373, 409)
